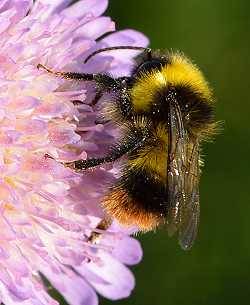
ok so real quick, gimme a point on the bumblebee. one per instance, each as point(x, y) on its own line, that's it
point(165, 110)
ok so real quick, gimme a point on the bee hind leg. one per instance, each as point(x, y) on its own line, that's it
point(102, 226)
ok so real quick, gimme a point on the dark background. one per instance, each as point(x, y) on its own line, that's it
point(216, 34)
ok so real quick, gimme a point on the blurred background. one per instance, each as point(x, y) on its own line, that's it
point(216, 35)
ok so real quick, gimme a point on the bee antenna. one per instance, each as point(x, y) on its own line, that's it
point(147, 50)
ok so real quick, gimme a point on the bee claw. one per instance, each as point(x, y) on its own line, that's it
point(40, 66)
point(47, 156)
point(70, 165)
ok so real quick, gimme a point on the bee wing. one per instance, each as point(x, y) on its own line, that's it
point(190, 208)
point(183, 180)
point(177, 146)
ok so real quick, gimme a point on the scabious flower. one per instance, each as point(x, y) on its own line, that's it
point(46, 210)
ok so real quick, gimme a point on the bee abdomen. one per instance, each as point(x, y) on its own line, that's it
point(138, 199)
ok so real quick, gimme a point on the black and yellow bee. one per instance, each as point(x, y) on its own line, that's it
point(165, 110)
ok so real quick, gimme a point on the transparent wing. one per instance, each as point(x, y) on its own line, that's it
point(183, 180)
point(190, 208)
point(177, 158)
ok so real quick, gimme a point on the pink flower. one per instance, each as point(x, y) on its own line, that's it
point(47, 210)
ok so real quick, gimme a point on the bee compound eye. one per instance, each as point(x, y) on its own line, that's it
point(147, 66)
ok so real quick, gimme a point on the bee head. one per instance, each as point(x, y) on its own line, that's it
point(148, 66)
point(148, 62)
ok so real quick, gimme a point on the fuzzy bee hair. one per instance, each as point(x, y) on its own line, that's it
point(165, 109)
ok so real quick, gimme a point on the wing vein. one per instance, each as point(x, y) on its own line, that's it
point(182, 178)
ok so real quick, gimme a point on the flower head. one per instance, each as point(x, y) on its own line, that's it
point(46, 210)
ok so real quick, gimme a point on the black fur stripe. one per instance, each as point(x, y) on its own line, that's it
point(149, 194)
point(201, 111)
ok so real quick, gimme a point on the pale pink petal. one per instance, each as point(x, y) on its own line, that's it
point(82, 7)
point(105, 280)
point(95, 28)
point(125, 38)
point(19, 8)
point(124, 58)
point(33, 127)
point(128, 251)
point(74, 289)
point(54, 6)
point(47, 211)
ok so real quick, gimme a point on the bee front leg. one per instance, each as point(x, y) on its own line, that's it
point(135, 140)
point(80, 165)
point(95, 100)
point(104, 82)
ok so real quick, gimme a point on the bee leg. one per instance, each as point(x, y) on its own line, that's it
point(104, 82)
point(98, 95)
point(81, 165)
point(68, 75)
point(47, 156)
point(124, 106)
point(103, 225)
point(77, 102)
point(101, 121)
point(95, 100)
point(125, 146)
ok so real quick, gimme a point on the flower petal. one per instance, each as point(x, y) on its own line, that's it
point(82, 7)
point(54, 6)
point(113, 283)
point(20, 7)
point(125, 38)
point(128, 251)
point(74, 288)
point(95, 28)
point(123, 58)
point(47, 211)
